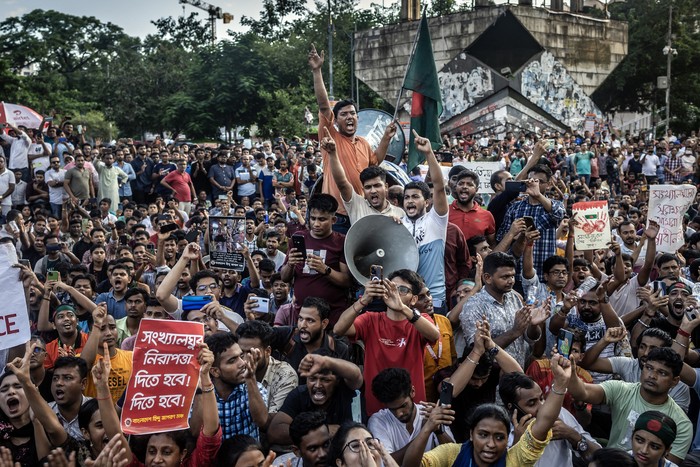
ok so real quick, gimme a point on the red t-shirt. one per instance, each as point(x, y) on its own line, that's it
point(181, 184)
point(309, 283)
point(475, 222)
point(390, 344)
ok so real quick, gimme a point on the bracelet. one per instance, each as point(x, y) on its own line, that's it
point(357, 312)
point(209, 389)
point(639, 321)
point(472, 361)
point(683, 333)
point(559, 393)
point(103, 398)
point(682, 345)
point(48, 299)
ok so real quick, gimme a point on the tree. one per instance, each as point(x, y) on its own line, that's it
point(632, 85)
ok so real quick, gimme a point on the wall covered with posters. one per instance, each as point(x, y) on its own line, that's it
point(543, 65)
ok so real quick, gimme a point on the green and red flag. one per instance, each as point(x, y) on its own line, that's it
point(426, 103)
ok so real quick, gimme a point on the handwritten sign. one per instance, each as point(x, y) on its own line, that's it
point(484, 171)
point(667, 205)
point(164, 377)
point(593, 229)
point(14, 319)
point(226, 235)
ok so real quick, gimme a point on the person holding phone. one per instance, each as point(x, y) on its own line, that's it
point(399, 422)
point(522, 396)
point(324, 273)
point(546, 213)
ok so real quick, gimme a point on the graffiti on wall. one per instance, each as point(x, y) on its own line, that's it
point(547, 84)
point(463, 82)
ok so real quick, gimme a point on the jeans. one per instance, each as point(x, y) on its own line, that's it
point(56, 210)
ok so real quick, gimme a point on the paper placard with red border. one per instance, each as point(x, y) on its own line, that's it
point(164, 377)
point(593, 229)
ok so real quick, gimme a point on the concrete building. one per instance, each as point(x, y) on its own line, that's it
point(503, 67)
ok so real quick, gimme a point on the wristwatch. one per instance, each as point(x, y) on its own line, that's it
point(582, 446)
point(328, 270)
point(492, 352)
point(415, 317)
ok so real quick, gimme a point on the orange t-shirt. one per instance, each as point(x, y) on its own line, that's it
point(355, 155)
point(52, 350)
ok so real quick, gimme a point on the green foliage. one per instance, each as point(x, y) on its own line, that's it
point(632, 86)
point(175, 80)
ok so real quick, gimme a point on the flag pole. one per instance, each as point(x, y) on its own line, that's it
point(408, 65)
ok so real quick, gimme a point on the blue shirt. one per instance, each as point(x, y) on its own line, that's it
point(116, 308)
point(545, 222)
point(125, 189)
point(234, 412)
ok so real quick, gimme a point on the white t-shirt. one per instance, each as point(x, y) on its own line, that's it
point(56, 193)
point(394, 435)
point(6, 179)
point(246, 189)
point(624, 300)
point(650, 164)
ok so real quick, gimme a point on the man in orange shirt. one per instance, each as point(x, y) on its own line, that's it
point(354, 152)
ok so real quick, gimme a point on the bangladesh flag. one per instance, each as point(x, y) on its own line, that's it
point(426, 104)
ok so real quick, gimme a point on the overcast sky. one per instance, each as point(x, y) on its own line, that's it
point(135, 16)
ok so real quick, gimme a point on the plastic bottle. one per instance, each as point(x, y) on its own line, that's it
point(586, 286)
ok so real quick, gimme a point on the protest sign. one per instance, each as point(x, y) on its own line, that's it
point(593, 229)
point(14, 319)
point(667, 205)
point(484, 171)
point(226, 235)
point(164, 377)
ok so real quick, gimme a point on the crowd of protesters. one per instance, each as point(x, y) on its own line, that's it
point(454, 363)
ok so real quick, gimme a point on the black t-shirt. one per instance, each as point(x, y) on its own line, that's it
point(339, 407)
point(296, 355)
point(80, 247)
point(469, 399)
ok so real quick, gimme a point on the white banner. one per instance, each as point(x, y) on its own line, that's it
point(14, 319)
point(593, 229)
point(667, 206)
point(484, 171)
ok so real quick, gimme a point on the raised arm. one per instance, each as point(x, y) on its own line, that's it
point(348, 371)
point(345, 325)
point(584, 392)
point(164, 293)
point(591, 358)
point(549, 412)
point(439, 196)
point(383, 146)
point(89, 352)
point(392, 299)
point(210, 412)
point(315, 63)
point(110, 419)
point(42, 412)
point(258, 408)
point(650, 233)
point(337, 171)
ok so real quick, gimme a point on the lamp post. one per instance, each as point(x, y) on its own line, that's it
point(669, 51)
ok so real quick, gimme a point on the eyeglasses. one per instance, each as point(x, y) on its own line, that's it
point(403, 290)
point(558, 273)
point(355, 445)
point(212, 286)
point(39, 350)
